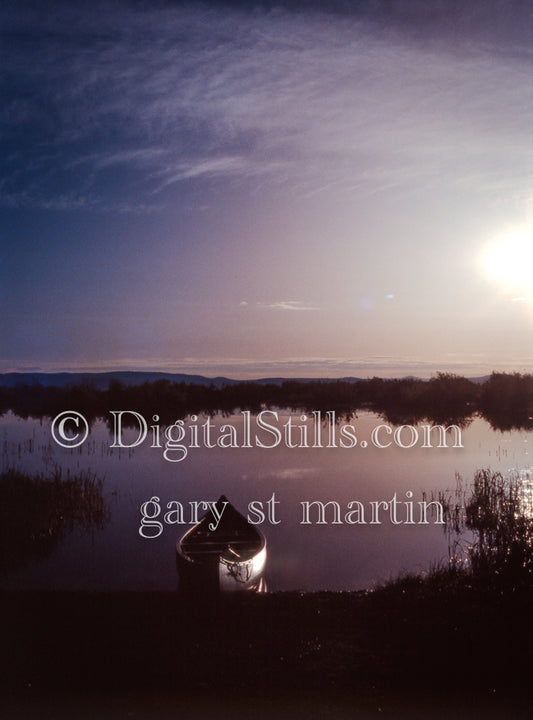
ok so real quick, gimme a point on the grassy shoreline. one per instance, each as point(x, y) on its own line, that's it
point(454, 643)
point(410, 649)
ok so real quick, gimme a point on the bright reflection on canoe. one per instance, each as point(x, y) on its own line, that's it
point(222, 553)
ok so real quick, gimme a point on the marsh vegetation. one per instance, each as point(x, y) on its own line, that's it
point(489, 522)
point(37, 512)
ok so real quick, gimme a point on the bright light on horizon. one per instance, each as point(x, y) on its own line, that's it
point(508, 260)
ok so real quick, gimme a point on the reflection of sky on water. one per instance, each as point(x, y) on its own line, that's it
point(309, 557)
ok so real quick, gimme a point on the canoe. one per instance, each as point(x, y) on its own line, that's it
point(222, 553)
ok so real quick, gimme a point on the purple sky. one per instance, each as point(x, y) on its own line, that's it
point(256, 189)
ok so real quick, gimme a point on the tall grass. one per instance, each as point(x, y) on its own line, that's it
point(490, 528)
point(37, 512)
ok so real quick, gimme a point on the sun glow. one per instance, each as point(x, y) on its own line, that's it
point(508, 260)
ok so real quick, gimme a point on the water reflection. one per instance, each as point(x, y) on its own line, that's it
point(301, 556)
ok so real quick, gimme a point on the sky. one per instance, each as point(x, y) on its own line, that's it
point(259, 189)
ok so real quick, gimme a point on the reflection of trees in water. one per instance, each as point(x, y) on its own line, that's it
point(38, 512)
point(507, 401)
point(504, 400)
point(399, 417)
point(490, 527)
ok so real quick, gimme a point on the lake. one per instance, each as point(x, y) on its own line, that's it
point(284, 476)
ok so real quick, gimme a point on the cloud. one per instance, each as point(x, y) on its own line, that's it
point(286, 305)
point(142, 156)
point(210, 167)
point(305, 102)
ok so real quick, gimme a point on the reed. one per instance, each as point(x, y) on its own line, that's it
point(489, 523)
point(38, 511)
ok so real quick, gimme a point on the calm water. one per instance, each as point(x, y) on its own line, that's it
point(306, 557)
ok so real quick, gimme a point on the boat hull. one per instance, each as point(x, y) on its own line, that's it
point(226, 556)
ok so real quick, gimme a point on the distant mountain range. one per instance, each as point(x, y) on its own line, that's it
point(101, 380)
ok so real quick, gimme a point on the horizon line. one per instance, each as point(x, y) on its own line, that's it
point(259, 378)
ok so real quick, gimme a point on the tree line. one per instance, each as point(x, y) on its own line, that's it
point(505, 400)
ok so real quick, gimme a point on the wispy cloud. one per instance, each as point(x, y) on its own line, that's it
point(302, 101)
point(286, 305)
point(210, 167)
point(141, 156)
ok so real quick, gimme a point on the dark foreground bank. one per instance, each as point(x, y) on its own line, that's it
point(405, 651)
